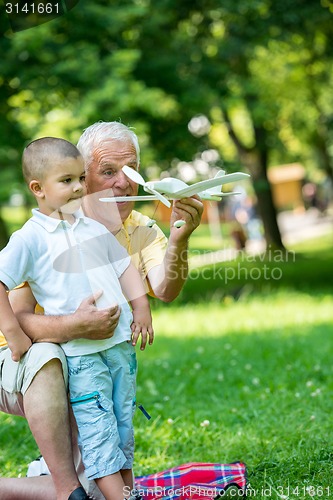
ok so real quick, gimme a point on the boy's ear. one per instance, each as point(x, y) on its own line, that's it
point(36, 188)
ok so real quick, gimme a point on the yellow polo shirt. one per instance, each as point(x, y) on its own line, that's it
point(145, 245)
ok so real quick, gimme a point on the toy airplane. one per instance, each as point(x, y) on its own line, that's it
point(171, 188)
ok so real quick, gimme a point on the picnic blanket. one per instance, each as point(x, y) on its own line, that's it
point(195, 481)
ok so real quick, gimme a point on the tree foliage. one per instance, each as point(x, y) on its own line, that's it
point(260, 72)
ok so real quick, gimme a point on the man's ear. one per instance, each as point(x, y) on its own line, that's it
point(36, 188)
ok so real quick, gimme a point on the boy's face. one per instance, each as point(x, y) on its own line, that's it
point(63, 186)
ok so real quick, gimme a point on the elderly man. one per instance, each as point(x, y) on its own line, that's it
point(35, 386)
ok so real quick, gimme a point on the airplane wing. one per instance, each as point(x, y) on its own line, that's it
point(136, 177)
point(129, 198)
point(198, 187)
point(204, 196)
point(217, 197)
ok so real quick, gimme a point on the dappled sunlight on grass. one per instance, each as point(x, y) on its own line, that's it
point(247, 275)
point(324, 243)
point(233, 376)
point(17, 446)
point(275, 311)
point(249, 380)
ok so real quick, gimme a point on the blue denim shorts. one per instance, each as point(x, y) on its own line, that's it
point(102, 394)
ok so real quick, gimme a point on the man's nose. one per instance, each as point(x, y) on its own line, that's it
point(121, 180)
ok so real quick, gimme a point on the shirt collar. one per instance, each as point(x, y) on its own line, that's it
point(51, 224)
point(131, 223)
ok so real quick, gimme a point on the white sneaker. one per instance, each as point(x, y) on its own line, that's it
point(38, 468)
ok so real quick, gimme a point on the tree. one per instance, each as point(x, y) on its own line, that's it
point(156, 65)
point(205, 54)
point(62, 75)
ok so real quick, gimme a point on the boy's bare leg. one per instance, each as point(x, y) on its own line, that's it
point(27, 488)
point(112, 487)
point(127, 475)
point(46, 410)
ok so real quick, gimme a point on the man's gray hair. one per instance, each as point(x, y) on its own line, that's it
point(93, 136)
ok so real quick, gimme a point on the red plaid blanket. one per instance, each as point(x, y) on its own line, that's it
point(196, 481)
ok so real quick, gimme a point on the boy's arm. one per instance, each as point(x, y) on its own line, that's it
point(134, 291)
point(18, 341)
point(87, 321)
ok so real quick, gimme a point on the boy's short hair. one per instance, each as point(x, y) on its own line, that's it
point(38, 156)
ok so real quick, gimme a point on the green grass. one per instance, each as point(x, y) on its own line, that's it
point(202, 239)
point(306, 266)
point(251, 356)
point(259, 370)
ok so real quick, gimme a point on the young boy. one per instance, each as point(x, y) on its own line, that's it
point(65, 257)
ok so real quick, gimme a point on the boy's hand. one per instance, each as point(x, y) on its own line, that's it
point(142, 323)
point(19, 346)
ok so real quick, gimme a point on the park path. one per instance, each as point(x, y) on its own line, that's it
point(294, 227)
point(303, 226)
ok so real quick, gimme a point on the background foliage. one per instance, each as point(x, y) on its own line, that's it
point(256, 74)
point(252, 80)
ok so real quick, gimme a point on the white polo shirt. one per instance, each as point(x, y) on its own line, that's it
point(63, 265)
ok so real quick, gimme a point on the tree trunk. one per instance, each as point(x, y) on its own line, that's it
point(268, 213)
point(321, 143)
point(255, 159)
point(262, 188)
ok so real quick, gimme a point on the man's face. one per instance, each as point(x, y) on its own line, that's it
point(104, 173)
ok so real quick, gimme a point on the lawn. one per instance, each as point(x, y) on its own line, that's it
point(246, 380)
point(259, 370)
point(241, 369)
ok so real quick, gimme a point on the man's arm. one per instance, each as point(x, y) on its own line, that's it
point(167, 279)
point(87, 321)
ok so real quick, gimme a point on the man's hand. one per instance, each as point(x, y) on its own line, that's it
point(87, 322)
point(189, 210)
point(96, 324)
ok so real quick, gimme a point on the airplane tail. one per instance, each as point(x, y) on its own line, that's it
point(217, 189)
